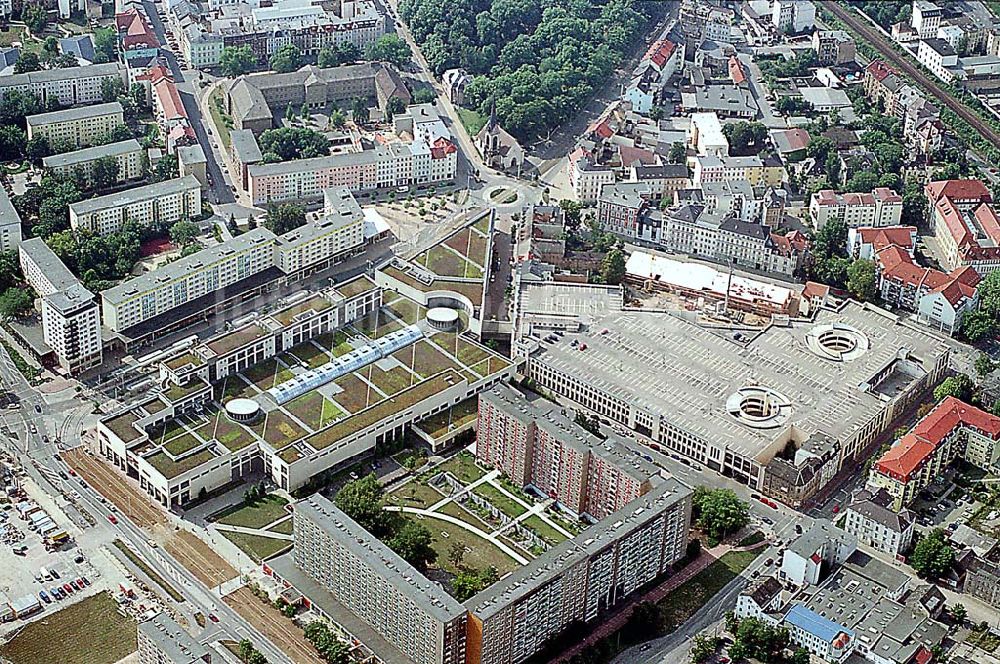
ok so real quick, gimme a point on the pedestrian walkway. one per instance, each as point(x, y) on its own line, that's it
point(465, 526)
point(252, 531)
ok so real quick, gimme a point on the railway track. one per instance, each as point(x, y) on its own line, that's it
point(903, 64)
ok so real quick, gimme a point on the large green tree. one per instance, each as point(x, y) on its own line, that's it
point(932, 557)
point(362, 500)
point(237, 60)
point(390, 48)
point(288, 143)
point(758, 640)
point(15, 302)
point(613, 267)
point(958, 386)
point(861, 280)
point(184, 232)
point(412, 541)
point(27, 62)
point(104, 173)
point(283, 217)
point(286, 59)
point(719, 512)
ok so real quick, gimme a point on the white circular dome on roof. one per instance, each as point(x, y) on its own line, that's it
point(242, 410)
point(442, 318)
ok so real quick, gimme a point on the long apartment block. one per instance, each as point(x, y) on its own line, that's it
point(10, 223)
point(127, 156)
point(79, 127)
point(351, 577)
point(69, 87)
point(256, 256)
point(168, 201)
point(71, 325)
point(427, 155)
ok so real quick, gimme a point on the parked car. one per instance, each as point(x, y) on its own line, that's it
point(57, 592)
point(54, 573)
point(83, 581)
point(113, 519)
point(68, 588)
point(44, 596)
point(214, 618)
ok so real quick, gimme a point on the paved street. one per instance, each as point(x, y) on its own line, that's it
point(64, 417)
point(220, 191)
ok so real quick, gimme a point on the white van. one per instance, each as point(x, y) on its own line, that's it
point(46, 574)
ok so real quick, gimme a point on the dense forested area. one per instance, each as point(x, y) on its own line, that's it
point(540, 59)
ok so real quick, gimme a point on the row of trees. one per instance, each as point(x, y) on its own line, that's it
point(239, 60)
point(329, 647)
point(984, 323)
point(539, 60)
point(363, 500)
point(249, 654)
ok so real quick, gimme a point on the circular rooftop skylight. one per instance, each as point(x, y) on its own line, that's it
point(759, 407)
point(837, 341)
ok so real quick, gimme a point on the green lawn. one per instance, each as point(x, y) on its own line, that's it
point(258, 515)
point(695, 593)
point(285, 527)
point(501, 501)
point(223, 122)
point(471, 120)
point(88, 632)
point(482, 554)
point(463, 467)
point(414, 494)
point(256, 546)
point(459, 512)
point(544, 530)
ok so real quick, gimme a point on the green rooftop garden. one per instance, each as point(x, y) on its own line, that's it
point(230, 341)
point(316, 303)
point(170, 468)
point(356, 286)
point(365, 418)
point(183, 360)
point(122, 427)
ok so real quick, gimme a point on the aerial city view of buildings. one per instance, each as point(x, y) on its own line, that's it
point(495, 332)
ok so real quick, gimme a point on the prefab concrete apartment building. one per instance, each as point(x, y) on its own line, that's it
point(342, 568)
point(127, 156)
point(71, 324)
point(70, 86)
point(168, 201)
point(80, 127)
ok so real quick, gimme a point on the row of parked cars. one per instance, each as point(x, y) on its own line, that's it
point(59, 591)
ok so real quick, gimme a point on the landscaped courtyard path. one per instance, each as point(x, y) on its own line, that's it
point(455, 521)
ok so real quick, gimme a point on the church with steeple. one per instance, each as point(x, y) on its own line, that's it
point(498, 148)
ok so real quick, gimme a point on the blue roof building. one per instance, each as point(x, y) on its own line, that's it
point(819, 635)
